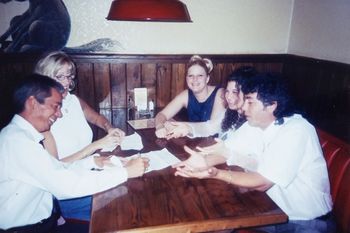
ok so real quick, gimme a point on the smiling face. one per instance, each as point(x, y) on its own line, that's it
point(65, 76)
point(45, 114)
point(256, 113)
point(197, 78)
point(234, 97)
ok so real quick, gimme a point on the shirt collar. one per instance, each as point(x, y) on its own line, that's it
point(28, 127)
point(270, 132)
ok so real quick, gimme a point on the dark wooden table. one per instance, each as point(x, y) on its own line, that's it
point(162, 202)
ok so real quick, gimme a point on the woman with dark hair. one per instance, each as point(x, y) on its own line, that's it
point(229, 120)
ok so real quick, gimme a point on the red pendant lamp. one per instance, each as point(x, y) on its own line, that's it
point(149, 10)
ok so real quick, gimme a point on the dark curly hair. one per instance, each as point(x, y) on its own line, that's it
point(271, 88)
point(233, 119)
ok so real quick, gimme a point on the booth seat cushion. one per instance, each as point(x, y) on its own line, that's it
point(337, 155)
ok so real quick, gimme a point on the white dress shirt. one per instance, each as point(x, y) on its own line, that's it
point(71, 132)
point(29, 176)
point(290, 156)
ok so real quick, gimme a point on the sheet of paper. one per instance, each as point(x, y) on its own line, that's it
point(131, 142)
point(140, 95)
point(159, 159)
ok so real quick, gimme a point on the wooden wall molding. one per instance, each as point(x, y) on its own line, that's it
point(106, 80)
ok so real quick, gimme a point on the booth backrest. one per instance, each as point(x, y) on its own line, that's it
point(337, 154)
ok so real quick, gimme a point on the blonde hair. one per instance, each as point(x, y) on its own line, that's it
point(50, 64)
point(206, 63)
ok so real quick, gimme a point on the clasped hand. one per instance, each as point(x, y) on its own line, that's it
point(173, 129)
point(135, 167)
point(112, 139)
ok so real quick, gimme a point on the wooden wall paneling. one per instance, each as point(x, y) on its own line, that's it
point(321, 87)
point(220, 73)
point(178, 81)
point(163, 87)
point(86, 89)
point(119, 95)
point(102, 85)
point(86, 85)
point(119, 116)
point(322, 91)
point(149, 79)
point(118, 85)
point(133, 78)
point(102, 90)
point(10, 74)
point(216, 77)
point(274, 67)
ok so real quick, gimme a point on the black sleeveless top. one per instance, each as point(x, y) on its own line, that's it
point(199, 112)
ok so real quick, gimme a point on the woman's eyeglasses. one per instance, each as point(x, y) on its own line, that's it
point(63, 77)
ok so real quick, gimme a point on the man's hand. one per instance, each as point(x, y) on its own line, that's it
point(136, 167)
point(200, 174)
point(102, 161)
point(218, 148)
point(196, 161)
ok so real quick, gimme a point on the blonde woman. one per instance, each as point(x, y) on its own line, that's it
point(202, 101)
point(70, 137)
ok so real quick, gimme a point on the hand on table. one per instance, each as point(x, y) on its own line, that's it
point(117, 132)
point(102, 161)
point(218, 148)
point(200, 174)
point(109, 141)
point(196, 161)
point(137, 166)
point(177, 129)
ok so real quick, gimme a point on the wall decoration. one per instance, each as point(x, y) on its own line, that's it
point(46, 26)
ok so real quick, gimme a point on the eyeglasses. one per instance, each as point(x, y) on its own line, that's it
point(62, 77)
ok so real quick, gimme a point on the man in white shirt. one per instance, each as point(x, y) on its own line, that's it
point(30, 177)
point(288, 161)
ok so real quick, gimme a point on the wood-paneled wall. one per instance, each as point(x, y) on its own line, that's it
point(106, 81)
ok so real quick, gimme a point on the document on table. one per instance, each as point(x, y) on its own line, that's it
point(157, 159)
point(131, 142)
point(160, 159)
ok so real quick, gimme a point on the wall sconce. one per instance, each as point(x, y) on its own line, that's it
point(149, 10)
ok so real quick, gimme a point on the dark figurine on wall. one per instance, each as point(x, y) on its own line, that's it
point(44, 26)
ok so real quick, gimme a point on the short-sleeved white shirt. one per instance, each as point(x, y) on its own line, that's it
point(71, 132)
point(291, 157)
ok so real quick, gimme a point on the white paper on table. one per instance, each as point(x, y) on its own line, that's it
point(159, 159)
point(131, 142)
point(116, 161)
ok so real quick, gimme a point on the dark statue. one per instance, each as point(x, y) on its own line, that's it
point(44, 26)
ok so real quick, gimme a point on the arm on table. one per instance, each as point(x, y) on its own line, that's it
point(201, 167)
point(99, 120)
point(168, 112)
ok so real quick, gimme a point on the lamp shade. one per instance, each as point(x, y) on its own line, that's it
point(149, 10)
